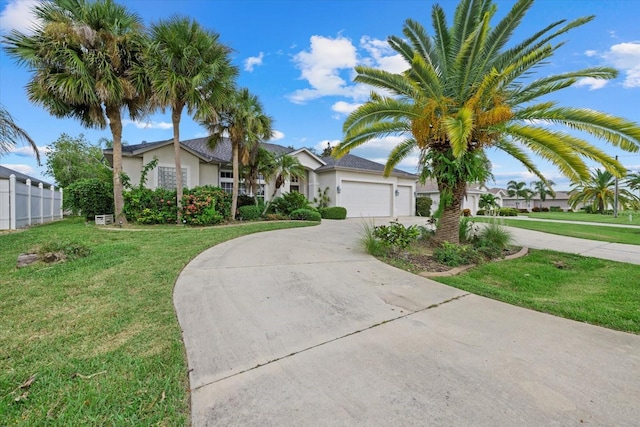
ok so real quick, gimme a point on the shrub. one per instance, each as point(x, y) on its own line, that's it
point(555, 209)
point(288, 203)
point(276, 217)
point(454, 255)
point(221, 199)
point(508, 212)
point(246, 200)
point(423, 206)
point(69, 250)
point(305, 215)
point(396, 236)
point(493, 234)
point(467, 229)
point(323, 198)
point(250, 212)
point(523, 210)
point(587, 209)
point(145, 206)
point(334, 212)
point(535, 209)
point(370, 243)
point(466, 212)
point(480, 212)
point(545, 209)
point(90, 197)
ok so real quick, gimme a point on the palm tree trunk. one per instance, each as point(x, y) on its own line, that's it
point(115, 123)
point(236, 179)
point(449, 223)
point(176, 112)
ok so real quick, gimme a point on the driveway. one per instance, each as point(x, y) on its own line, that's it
point(301, 327)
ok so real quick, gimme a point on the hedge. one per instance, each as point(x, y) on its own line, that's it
point(305, 215)
point(334, 212)
point(250, 212)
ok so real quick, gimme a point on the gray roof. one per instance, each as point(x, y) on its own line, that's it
point(6, 172)
point(349, 161)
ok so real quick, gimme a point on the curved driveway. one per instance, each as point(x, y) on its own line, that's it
point(300, 327)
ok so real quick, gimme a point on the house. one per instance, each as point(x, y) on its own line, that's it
point(560, 200)
point(470, 200)
point(26, 201)
point(354, 183)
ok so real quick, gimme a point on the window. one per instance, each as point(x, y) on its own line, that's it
point(294, 179)
point(167, 177)
point(226, 174)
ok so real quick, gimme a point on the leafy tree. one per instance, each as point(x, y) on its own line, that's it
point(283, 168)
point(517, 189)
point(189, 68)
point(72, 159)
point(327, 150)
point(243, 121)
point(90, 197)
point(544, 189)
point(487, 201)
point(11, 133)
point(86, 63)
point(469, 88)
point(598, 191)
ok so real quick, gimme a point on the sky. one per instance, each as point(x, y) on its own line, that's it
point(298, 56)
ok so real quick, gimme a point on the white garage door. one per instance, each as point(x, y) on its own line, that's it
point(403, 201)
point(366, 198)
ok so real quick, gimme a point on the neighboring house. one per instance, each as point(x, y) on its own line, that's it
point(26, 201)
point(354, 183)
point(561, 200)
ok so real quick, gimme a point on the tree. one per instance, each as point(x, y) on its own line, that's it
point(469, 88)
point(544, 189)
point(11, 133)
point(633, 181)
point(283, 168)
point(487, 201)
point(86, 59)
point(260, 161)
point(517, 190)
point(72, 159)
point(190, 68)
point(598, 191)
point(243, 121)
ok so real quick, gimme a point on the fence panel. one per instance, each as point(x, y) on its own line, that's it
point(22, 204)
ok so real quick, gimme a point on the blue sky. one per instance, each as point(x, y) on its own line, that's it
point(298, 57)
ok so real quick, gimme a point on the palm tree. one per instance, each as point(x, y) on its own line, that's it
point(544, 189)
point(283, 168)
point(633, 181)
point(243, 121)
point(11, 133)
point(465, 91)
point(190, 68)
point(517, 189)
point(260, 161)
point(487, 201)
point(598, 191)
point(86, 61)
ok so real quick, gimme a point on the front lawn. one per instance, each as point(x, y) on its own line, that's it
point(591, 290)
point(95, 341)
point(623, 217)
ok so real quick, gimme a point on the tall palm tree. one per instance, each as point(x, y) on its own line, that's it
point(517, 189)
point(487, 201)
point(283, 168)
point(86, 62)
point(469, 88)
point(598, 191)
point(189, 68)
point(11, 133)
point(544, 189)
point(243, 121)
point(259, 163)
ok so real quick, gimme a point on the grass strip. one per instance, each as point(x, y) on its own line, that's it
point(595, 291)
point(623, 217)
point(95, 341)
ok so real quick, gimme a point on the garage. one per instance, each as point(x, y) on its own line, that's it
point(366, 198)
point(403, 201)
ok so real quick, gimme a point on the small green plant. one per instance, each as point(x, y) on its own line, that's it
point(288, 203)
point(250, 212)
point(305, 215)
point(396, 236)
point(423, 206)
point(323, 199)
point(480, 212)
point(468, 229)
point(370, 243)
point(494, 234)
point(66, 249)
point(454, 255)
point(555, 209)
point(508, 212)
point(334, 212)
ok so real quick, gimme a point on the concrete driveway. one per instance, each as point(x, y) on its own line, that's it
point(300, 327)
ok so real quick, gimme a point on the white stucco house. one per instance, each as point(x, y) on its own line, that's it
point(354, 182)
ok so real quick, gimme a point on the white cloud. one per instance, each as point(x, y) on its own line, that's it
point(147, 124)
point(382, 55)
point(251, 62)
point(17, 15)
point(345, 108)
point(277, 135)
point(320, 146)
point(590, 52)
point(592, 83)
point(626, 56)
point(25, 169)
point(27, 151)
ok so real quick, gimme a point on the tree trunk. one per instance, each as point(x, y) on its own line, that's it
point(176, 112)
point(448, 229)
point(236, 178)
point(115, 123)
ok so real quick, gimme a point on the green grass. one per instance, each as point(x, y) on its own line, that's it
point(623, 217)
point(629, 236)
point(99, 333)
point(595, 291)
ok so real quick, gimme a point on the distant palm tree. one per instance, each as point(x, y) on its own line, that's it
point(599, 192)
point(259, 163)
point(468, 88)
point(243, 121)
point(487, 201)
point(11, 133)
point(544, 189)
point(189, 68)
point(633, 181)
point(517, 189)
point(86, 63)
point(283, 168)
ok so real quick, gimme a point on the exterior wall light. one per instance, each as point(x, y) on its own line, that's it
point(397, 192)
point(338, 189)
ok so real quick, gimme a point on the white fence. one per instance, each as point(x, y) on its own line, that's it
point(22, 204)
